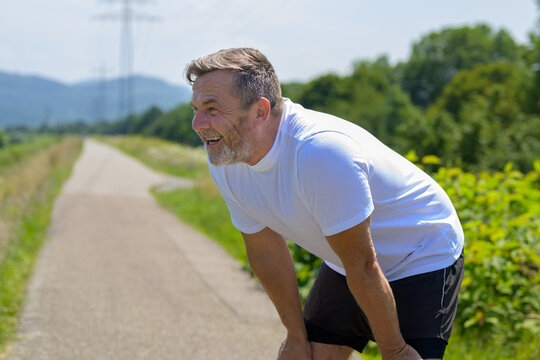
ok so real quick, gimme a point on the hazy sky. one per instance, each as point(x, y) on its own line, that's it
point(302, 38)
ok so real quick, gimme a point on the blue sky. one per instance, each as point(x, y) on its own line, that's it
point(303, 38)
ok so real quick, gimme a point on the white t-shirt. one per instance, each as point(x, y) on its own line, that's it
point(324, 175)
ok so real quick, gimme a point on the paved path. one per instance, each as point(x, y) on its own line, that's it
point(121, 278)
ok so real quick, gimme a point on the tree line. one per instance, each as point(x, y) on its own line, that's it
point(469, 95)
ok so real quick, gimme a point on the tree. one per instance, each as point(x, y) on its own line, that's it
point(369, 97)
point(174, 125)
point(479, 121)
point(292, 90)
point(439, 56)
point(139, 123)
point(3, 139)
point(534, 62)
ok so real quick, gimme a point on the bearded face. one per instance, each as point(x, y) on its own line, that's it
point(219, 119)
point(227, 148)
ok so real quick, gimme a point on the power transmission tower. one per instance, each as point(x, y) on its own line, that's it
point(100, 95)
point(125, 82)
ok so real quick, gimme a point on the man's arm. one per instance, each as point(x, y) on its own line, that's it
point(271, 261)
point(371, 289)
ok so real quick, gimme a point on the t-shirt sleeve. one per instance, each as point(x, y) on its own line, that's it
point(240, 218)
point(333, 174)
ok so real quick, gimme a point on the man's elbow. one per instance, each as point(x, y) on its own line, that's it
point(363, 269)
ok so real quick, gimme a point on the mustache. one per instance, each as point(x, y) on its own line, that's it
point(208, 134)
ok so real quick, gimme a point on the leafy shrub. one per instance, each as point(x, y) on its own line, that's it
point(500, 214)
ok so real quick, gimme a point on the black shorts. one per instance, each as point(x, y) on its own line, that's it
point(426, 307)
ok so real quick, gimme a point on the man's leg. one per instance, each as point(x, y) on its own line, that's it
point(330, 352)
point(427, 319)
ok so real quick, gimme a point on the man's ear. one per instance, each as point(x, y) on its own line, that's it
point(263, 109)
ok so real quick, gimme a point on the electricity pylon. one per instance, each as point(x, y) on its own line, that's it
point(126, 17)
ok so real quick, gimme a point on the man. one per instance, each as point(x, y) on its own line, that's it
point(334, 189)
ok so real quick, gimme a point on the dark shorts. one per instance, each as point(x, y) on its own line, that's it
point(426, 307)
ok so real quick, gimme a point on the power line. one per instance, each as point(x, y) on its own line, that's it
point(125, 82)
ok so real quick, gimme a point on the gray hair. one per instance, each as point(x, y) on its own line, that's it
point(254, 75)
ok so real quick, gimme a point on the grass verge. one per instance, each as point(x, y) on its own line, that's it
point(13, 154)
point(28, 190)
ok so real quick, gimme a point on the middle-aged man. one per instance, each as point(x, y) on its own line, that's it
point(389, 236)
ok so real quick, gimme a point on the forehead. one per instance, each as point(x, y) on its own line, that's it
point(216, 86)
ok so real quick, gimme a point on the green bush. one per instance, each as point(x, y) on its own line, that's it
point(500, 214)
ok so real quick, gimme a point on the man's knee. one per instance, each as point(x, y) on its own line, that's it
point(322, 351)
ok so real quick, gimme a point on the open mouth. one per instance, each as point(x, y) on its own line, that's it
point(213, 140)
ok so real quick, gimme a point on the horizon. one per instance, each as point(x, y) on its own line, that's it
point(81, 81)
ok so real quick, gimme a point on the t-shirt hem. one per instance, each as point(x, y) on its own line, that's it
point(417, 270)
point(248, 229)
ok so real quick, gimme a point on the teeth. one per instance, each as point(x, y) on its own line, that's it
point(212, 140)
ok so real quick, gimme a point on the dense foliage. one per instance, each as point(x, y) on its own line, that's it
point(439, 56)
point(500, 213)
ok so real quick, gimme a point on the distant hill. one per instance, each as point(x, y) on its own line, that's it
point(33, 100)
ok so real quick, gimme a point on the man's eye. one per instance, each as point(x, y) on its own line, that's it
point(212, 111)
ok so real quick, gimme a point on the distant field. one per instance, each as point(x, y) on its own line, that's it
point(499, 310)
point(31, 175)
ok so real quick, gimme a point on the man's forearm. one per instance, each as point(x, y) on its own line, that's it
point(374, 295)
point(274, 267)
point(369, 286)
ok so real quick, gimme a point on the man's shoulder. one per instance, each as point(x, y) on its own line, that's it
point(328, 143)
point(313, 129)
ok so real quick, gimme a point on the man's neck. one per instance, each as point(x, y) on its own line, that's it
point(265, 138)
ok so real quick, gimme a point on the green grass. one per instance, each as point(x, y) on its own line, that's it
point(470, 347)
point(30, 226)
point(13, 154)
point(17, 266)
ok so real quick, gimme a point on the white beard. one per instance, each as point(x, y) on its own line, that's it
point(227, 155)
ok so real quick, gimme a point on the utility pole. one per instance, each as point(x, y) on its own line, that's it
point(125, 82)
point(100, 95)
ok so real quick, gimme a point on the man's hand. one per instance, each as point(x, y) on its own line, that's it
point(406, 353)
point(294, 349)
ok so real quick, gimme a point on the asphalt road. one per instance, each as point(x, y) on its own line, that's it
point(120, 278)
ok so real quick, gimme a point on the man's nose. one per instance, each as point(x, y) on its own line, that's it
point(200, 122)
